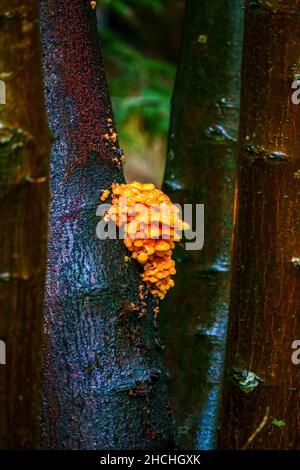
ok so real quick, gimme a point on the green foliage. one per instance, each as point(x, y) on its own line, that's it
point(125, 8)
point(278, 423)
point(140, 85)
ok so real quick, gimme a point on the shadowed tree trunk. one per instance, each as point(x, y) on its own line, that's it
point(103, 383)
point(262, 402)
point(200, 169)
point(24, 147)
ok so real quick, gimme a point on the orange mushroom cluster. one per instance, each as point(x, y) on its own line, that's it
point(150, 224)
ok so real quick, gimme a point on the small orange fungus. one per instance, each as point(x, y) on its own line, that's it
point(151, 225)
point(105, 194)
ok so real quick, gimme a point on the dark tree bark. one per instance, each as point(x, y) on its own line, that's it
point(103, 383)
point(265, 301)
point(24, 147)
point(200, 169)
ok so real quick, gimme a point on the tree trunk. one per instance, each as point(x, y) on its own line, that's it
point(262, 401)
point(104, 387)
point(24, 146)
point(200, 169)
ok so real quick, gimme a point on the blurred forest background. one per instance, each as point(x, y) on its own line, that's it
point(141, 41)
point(255, 296)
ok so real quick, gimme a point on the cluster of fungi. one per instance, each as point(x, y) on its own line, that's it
point(151, 225)
point(110, 139)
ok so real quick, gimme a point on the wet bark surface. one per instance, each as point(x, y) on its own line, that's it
point(262, 401)
point(104, 384)
point(200, 170)
point(24, 148)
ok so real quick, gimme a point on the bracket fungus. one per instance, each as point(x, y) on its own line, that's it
point(151, 225)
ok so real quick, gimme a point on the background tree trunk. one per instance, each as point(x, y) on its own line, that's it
point(103, 384)
point(200, 169)
point(265, 301)
point(24, 146)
